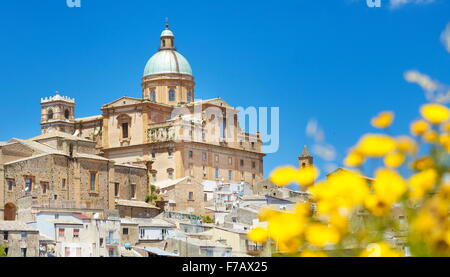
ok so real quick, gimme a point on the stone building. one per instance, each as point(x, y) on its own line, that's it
point(61, 171)
point(166, 125)
point(19, 239)
point(183, 195)
point(108, 161)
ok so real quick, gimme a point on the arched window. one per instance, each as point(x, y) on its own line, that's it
point(171, 95)
point(67, 114)
point(189, 96)
point(50, 114)
point(153, 96)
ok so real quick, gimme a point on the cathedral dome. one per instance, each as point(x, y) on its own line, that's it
point(167, 61)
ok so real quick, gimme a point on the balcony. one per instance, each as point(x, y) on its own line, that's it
point(112, 242)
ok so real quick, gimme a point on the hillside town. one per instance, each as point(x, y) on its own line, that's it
point(141, 179)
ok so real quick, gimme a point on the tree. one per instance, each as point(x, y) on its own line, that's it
point(2, 251)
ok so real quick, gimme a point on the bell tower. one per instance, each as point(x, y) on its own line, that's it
point(305, 159)
point(58, 114)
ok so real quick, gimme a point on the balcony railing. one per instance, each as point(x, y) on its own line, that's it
point(112, 242)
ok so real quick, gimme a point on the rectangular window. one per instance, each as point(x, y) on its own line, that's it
point(204, 156)
point(125, 130)
point(170, 175)
point(154, 177)
point(61, 232)
point(116, 189)
point(217, 158)
point(44, 187)
point(253, 165)
point(5, 235)
point(78, 251)
point(217, 173)
point(125, 231)
point(101, 242)
point(67, 252)
point(133, 191)
point(93, 181)
point(170, 153)
point(153, 155)
point(76, 233)
point(242, 162)
point(23, 252)
point(230, 160)
point(191, 154)
point(191, 195)
point(230, 175)
point(63, 183)
point(23, 236)
point(11, 184)
point(28, 184)
point(204, 172)
point(253, 145)
point(191, 169)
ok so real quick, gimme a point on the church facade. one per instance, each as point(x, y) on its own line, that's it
point(110, 160)
point(181, 136)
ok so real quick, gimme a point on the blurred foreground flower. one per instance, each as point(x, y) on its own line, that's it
point(405, 206)
point(383, 120)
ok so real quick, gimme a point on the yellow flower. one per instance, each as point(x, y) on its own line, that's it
point(344, 189)
point(286, 226)
point(435, 113)
point(382, 249)
point(339, 221)
point(383, 120)
point(266, 214)
point(377, 206)
point(302, 209)
point(423, 163)
point(419, 127)
point(307, 175)
point(313, 254)
point(289, 246)
point(446, 127)
point(431, 137)
point(389, 186)
point(354, 159)
point(407, 145)
point(374, 145)
point(320, 235)
point(422, 182)
point(423, 223)
point(258, 235)
point(394, 160)
point(283, 176)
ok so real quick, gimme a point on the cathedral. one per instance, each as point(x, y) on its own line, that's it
point(166, 139)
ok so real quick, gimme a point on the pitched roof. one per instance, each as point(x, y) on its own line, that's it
point(58, 134)
point(89, 118)
point(168, 183)
point(133, 203)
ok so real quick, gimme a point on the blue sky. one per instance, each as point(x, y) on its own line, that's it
point(337, 61)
